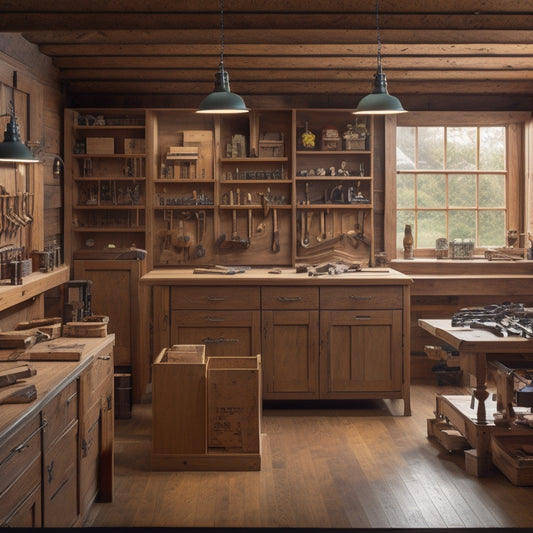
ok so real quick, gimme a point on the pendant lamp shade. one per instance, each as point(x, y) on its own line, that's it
point(12, 149)
point(379, 101)
point(222, 100)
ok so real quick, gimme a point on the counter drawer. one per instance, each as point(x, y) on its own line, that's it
point(60, 412)
point(289, 297)
point(215, 298)
point(17, 453)
point(97, 377)
point(361, 297)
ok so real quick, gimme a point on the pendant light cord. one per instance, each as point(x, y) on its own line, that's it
point(378, 36)
point(222, 34)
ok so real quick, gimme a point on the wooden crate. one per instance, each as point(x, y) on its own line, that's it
point(178, 406)
point(508, 456)
point(181, 377)
point(233, 404)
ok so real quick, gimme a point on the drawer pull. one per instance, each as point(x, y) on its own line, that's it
point(361, 317)
point(359, 298)
point(289, 298)
point(213, 319)
point(208, 340)
point(104, 357)
point(216, 298)
point(71, 397)
point(24, 444)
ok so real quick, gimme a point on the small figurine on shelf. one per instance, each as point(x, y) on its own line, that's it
point(408, 242)
point(343, 171)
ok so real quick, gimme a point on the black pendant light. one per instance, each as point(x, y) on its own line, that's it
point(379, 101)
point(222, 100)
point(12, 149)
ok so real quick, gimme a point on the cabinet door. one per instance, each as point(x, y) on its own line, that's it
point(114, 293)
point(222, 332)
point(290, 354)
point(361, 353)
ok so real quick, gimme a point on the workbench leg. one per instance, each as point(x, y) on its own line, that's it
point(477, 463)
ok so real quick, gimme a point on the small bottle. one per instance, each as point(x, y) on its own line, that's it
point(408, 242)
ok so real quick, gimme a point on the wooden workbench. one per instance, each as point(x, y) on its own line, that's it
point(475, 346)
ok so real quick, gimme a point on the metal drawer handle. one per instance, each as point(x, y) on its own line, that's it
point(361, 297)
point(24, 444)
point(289, 298)
point(216, 298)
point(208, 340)
point(104, 357)
point(361, 317)
point(71, 397)
point(213, 319)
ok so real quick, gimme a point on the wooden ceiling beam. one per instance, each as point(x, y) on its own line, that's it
point(253, 49)
point(31, 21)
point(302, 87)
point(309, 63)
point(275, 36)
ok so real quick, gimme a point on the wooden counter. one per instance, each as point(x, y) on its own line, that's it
point(320, 337)
point(69, 429)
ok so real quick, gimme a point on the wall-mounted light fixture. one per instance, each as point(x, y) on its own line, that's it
point(379, 101)
point(222, 100)
point(12, 149)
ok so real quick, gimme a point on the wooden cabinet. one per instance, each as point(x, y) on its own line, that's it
point(226, 320)
point(20, 476)
point(329, 337)
point(362, 334)
point(56, 453)
point(60, 454)
point(290, 342)
point(105, 185)
point(244, 190)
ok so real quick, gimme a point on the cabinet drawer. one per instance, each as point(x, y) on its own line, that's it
point(289, 297)
point(89, 449)
point(60, 480)
point(367, 297)
point(97, 377)
point(215, 298)
point(18, 452)
point(26, 508)
point(59, 413)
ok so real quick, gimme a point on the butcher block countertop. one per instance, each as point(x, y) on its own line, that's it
point(282, 276)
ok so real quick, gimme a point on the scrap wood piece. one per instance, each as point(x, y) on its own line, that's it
point(12, 375)
point(85, 329)
point(18, 394)
point(37, 323)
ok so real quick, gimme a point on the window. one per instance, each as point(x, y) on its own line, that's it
point(455, 181)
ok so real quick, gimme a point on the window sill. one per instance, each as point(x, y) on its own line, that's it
point(469, 267)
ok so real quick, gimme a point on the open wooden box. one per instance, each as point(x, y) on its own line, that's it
point(509, 456)
point(206, 413)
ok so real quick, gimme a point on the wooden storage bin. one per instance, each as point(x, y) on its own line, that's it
point(233, 404)
point(506, 456)
point(194, 399)
point(178, 406)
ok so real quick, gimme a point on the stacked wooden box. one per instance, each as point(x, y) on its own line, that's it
point(205, 411)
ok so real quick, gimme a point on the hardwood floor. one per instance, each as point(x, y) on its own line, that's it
point(359, 466)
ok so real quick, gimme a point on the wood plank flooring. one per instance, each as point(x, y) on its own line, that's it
point(358, 466)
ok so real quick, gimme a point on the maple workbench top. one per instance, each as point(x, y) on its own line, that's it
point(282, 276)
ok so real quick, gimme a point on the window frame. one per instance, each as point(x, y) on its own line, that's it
point(515, 186)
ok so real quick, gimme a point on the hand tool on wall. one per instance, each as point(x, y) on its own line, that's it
point(304, 233)
point(322, 236)
point(199, 251)
point(250, 225)
point(275, 231)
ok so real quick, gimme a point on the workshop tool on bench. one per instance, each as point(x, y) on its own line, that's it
point(219, 269)
point(12, 375)
point(18, 394)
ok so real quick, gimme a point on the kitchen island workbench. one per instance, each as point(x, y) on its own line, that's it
point(322, 337)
